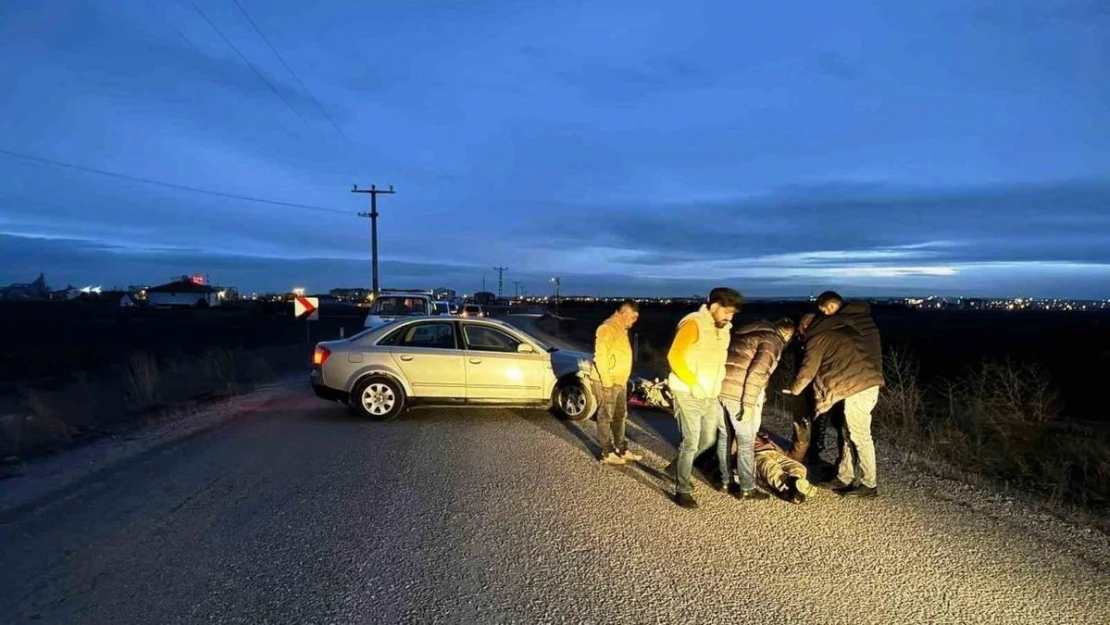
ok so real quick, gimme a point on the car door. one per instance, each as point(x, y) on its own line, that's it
point(429, 356)
point(496, 371)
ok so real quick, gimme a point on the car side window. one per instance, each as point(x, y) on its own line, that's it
point(428, 335)
point(486, 339)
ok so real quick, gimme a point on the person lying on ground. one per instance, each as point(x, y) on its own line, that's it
point(780, 474)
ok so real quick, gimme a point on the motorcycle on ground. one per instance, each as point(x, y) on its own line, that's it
point(646, 393)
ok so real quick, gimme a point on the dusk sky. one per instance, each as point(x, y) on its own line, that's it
point(631, 148)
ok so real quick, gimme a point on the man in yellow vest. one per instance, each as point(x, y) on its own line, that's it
point(613, 358)
point(697, 358)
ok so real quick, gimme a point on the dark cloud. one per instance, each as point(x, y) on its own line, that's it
point(1057, 222)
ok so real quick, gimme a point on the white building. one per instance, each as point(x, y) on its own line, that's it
point(183, 294)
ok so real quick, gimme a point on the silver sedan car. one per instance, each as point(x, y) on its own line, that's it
point(446, 361)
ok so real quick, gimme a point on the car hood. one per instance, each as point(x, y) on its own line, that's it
point(566, 362)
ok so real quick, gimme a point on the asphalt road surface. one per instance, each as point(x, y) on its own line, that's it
point(295, 511)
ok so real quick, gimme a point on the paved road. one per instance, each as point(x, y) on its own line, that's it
point(297, 512)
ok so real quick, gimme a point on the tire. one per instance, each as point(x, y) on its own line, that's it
point(574, 400)
point(378, 398)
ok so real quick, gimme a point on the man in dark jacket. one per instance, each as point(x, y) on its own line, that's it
point(810, 428)
point(753, 354)
point(840, 361)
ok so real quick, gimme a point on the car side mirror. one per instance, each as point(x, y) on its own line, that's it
point(525, 348)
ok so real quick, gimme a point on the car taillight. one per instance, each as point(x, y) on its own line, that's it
point(320, 356)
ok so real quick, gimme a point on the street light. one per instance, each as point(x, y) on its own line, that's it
point(555, 280)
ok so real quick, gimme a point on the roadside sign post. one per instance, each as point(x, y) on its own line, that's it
point(308, 309)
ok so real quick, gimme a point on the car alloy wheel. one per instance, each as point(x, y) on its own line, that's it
point(378, 399)
point(572, 400)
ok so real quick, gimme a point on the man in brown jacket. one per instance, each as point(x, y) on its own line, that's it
point(809, 427)
point(843, 360)
point(753, 355)
point(613, 358)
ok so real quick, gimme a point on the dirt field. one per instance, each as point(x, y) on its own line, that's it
point(46, 341)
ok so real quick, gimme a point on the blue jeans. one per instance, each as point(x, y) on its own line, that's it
point(699, 421)
point(745, 425)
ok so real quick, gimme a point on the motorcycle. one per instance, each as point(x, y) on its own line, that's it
point(646, 393)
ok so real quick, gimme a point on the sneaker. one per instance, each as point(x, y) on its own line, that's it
point(686, 500)
point(798, 489)
point(803, 487)
point(754, 494)
point(836, 484)
point(631, 456)
point(612, 458)
point(859, 492)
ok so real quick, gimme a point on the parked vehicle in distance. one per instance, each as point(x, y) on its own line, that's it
point(453, 308)
point(472, 310)
point(392, 304)
point(440, 361)
point(441, 308)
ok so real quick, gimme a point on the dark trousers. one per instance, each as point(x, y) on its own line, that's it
point(810, 432)
point(611, 416)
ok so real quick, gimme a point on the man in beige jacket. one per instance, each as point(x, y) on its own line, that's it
point(613, 357)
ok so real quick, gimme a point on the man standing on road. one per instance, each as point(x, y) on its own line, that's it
point(843, 360)
point(697, 359)
point(613, 358)
point(753, 355)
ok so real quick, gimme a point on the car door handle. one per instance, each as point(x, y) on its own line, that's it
point(475, 361)
point(406, 358)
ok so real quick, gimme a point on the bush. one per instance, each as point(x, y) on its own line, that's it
point(999, 419)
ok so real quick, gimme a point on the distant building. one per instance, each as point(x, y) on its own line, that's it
point(183, 293)
point(27, 290)
point(484, 297)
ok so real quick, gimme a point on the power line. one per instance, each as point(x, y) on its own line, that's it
point(169, 185)
point(249, 64)
point(289, 69)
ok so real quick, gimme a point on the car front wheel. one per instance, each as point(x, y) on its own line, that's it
point(378, 399)
point(574, 401)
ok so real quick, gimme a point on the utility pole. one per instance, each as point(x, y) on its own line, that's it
point(516, 288)
point(373, 215)
point(500, 275)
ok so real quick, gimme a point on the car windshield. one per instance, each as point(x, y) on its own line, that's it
point(399, 306)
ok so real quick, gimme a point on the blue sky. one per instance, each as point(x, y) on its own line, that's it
point(649, 148)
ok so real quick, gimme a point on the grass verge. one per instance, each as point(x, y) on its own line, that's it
point(49, 417)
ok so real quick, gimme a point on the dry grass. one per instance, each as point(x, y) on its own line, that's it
point(999, 420)
point(49, 418)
